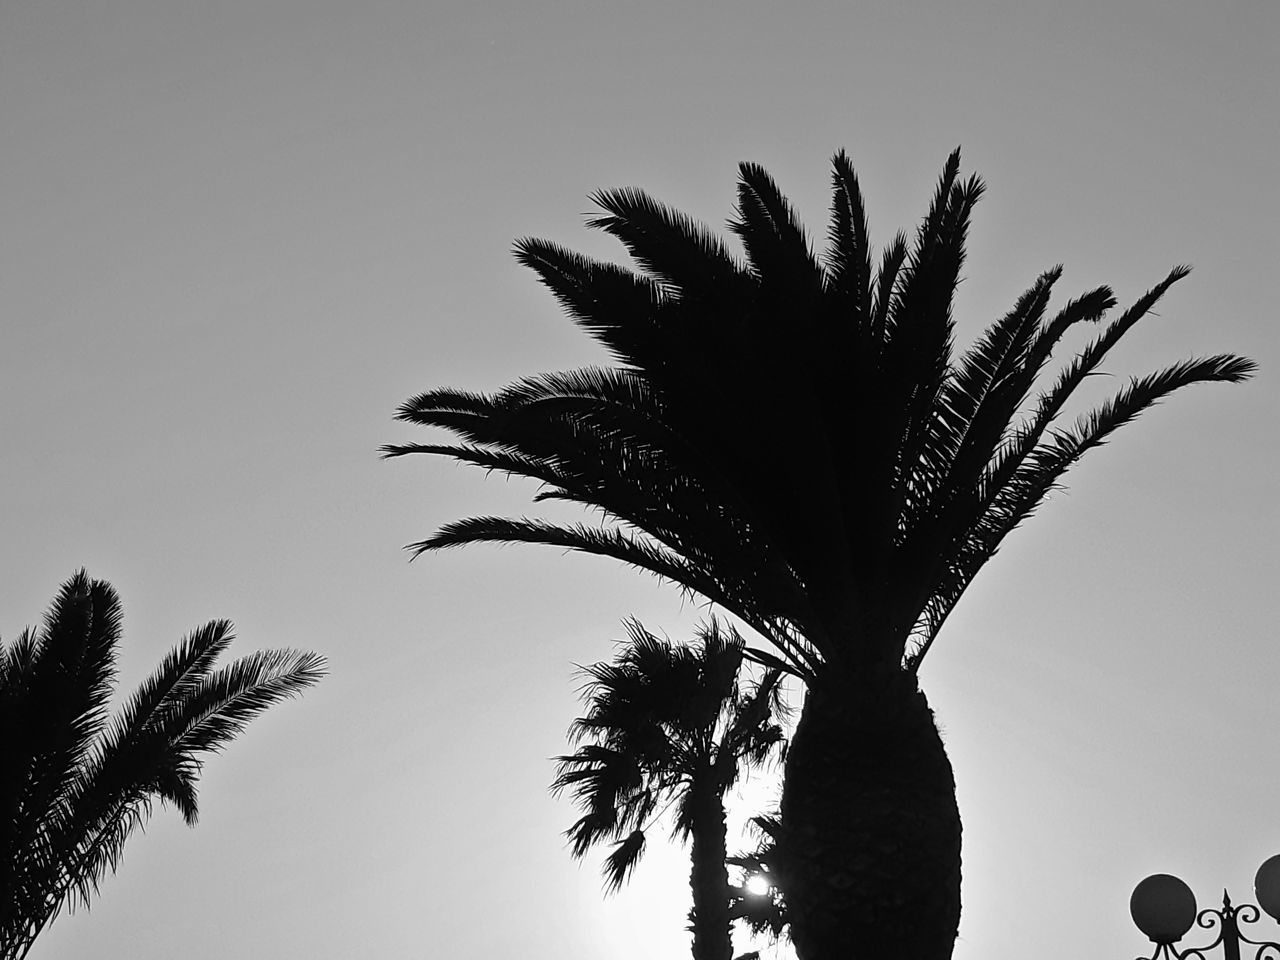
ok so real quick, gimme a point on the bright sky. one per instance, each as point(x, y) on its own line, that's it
point(238, 234)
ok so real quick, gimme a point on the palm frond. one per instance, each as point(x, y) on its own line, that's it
point(848, 259)
point(891, 261)
point(628, 548)
point(222, 703)
point(421, 408)
point(1142, 393)
point(615, 306)
point(685, 256)
point(169, 686)
point(1041, 470)
point(18, 660)
point(773, 237)
point(917, 353)
point(639, 551)
point(99, 849)
point(512, 464)
point(622, 861)
point(1051, 402)
point(1089, 307)
point(975, 405)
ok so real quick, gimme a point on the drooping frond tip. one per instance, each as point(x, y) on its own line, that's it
point(622, 861)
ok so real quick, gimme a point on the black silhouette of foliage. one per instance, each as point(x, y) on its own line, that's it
point(663, 722)
point(795, 438)
point(788, 437)
point(76, 783)
point(670, 729)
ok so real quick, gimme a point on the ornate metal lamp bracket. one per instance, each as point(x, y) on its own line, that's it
point(1227, 921)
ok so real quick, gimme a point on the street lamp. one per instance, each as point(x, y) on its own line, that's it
point(1164, 908)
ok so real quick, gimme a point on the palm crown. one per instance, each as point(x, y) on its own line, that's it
point(665, 724)
point(792, 437)
point(75, 783)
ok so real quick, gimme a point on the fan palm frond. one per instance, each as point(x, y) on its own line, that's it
point(622, 861)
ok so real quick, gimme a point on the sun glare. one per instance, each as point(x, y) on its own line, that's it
point(757, 885)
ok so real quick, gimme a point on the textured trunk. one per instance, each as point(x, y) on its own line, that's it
point(870, 852)
point(709, 880)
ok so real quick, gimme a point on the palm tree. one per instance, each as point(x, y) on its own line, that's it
point(669, 726)
point(792, 438)
point(73, 788)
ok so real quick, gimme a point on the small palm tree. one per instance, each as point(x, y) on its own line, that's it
point(794, 437)
point(670, 726)
point(73, 787)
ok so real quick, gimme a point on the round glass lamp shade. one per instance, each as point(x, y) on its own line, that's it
point(1266, 886)
point(1163, 907)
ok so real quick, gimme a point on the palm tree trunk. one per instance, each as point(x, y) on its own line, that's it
point(870, 844)
point(709, 879)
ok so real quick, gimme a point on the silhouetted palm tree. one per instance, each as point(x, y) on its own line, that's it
point(792, 438)
point(74, 788)
point(669, 726)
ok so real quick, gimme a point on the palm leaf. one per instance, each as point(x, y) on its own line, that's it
point(615, 306)
point(848, 259)
point(774, 239)
point(1040, 472)
point(622, 861)
point(683, 255)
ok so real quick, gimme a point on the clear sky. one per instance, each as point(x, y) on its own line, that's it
point(236, 235)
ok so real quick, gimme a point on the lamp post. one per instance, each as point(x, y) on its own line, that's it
point(1164, 908)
